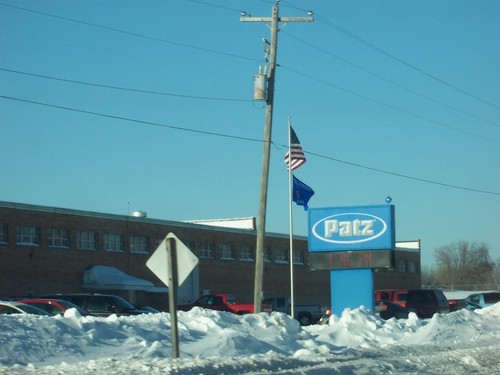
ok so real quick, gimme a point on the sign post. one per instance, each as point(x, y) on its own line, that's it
point(172, 262)
point(172, 294)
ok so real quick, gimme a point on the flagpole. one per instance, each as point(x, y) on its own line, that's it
point(290, 208)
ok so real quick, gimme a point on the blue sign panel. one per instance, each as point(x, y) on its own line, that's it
point(351, 228)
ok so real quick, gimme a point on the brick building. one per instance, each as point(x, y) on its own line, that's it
point(53, 250)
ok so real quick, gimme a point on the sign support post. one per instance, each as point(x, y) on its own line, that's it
point(351, 289)
point(172, 262)
point(172, 295)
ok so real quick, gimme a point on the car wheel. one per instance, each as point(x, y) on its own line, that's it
point(304, 320)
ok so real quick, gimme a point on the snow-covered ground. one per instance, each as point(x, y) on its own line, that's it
point(462, 342)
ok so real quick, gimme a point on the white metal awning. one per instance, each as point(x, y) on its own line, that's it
point(104, 277)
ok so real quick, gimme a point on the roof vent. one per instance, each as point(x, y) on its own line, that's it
point(139, 214)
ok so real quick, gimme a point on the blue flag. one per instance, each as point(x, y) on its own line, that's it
point(301, 193)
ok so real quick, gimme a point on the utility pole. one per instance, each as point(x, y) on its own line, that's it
point(261, 223)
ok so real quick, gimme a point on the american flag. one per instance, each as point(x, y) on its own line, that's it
point(298, 157)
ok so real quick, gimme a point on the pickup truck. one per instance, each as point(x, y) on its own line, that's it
point(223, 302)
point(305, 314)
point(392, 295)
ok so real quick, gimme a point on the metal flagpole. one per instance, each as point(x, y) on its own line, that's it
point(290, 192)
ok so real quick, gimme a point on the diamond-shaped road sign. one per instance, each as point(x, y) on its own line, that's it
point(158, 261)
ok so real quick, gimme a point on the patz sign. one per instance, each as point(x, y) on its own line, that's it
point(351, 228)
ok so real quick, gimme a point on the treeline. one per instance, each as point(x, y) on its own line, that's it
point(463, 265)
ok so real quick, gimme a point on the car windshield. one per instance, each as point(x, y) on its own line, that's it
point(230, 298)
point(32, 309)
point(492, 298)
point(121, 303)
point(70, 305)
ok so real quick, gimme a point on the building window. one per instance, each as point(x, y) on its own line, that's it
point(401, 266)
point(281, 256)
point(157, 242)
point(113, 242)
point(412, 266)
point(57, 237)
point(246, 253)
point(86, 240)
point(268, 257)
point(4, 234)
point(298, 257)
point(138, 244)
point(207, 250)
point(226, 251)
point(27, 235)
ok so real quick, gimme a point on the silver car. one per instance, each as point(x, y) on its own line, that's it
point(13, 307)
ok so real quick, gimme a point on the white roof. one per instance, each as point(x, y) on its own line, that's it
point(104, 277)
point(238, 223)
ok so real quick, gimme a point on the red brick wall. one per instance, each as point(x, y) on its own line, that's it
point(42, 269)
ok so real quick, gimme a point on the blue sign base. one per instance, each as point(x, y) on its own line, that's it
point(351, 289)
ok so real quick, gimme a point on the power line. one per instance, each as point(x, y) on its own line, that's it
point(411, 66)
point(216, 6)
point(245, 100)
point(213, 51)
point(395, 58)
point(123, 88)
point(388, 80)
point(227, 54)
point(128, 119)
point(137, 35)
point(402, 175)
point(390, 106)
point(216, 134)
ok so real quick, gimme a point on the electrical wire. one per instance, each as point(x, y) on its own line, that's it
point(123, 88)
point(388, 80)
point(180, 128)
point(393, 57)
point(115, 117)
point(249, 100)
point(137, 35)
point(213, 51)
point(390, 106)
point(401, 61)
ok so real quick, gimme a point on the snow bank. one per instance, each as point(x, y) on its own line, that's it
point(213, 342)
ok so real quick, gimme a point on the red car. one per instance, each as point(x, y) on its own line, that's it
point(223, 302)
point(53, 306)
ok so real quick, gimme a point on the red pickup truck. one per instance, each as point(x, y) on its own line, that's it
point(392, 295)
point(223, 302)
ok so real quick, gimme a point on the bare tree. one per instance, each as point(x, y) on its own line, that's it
point(464, 263)
point(428, 276)
point(496, 273)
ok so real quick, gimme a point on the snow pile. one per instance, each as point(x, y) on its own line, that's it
point(213, 342)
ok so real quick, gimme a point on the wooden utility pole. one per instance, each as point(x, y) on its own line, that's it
point(261, 223)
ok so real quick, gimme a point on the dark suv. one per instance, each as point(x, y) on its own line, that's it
point(100, 304)
point(427, 302)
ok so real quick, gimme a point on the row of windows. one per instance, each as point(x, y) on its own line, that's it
point(227, 251)
point(406, 266)
point(88, 240)
point(61, 238)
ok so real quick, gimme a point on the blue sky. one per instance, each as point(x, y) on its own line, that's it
point(388, 98)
